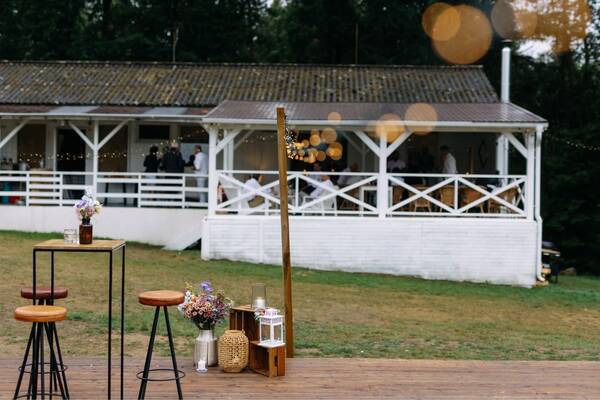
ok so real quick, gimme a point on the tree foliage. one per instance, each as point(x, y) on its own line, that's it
point(563, 87)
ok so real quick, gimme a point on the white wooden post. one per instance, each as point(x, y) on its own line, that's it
point(529, 188)
point(212, 170)
point(538, 201)
point(95, 149)
point(501, 154)
point(382, 179)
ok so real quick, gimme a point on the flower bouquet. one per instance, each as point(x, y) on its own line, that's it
point(85, 209)
point(205, 309)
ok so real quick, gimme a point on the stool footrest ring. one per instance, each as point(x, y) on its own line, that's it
point(180, 374)
point(41, 394)
point(47, 363)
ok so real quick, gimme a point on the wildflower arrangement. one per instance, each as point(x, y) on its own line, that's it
point(87, 207)
point(206, 308)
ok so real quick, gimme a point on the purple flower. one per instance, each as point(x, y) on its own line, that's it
point(206, 287)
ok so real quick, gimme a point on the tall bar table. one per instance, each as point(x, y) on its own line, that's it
point(98, 246)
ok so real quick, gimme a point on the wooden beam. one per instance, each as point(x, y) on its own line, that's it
point(13, 132)
point(366, 140)
point(82, 135)
point(515, 142)
point(239, 142)
point(398, 142)
point(112, 133)
point(285, 232)
point(229, 136)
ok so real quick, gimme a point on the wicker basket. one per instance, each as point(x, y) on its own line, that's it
point(233, 351)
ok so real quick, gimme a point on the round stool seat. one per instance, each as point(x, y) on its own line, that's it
point(161, 298)
point(43, 292)
point(40, 313)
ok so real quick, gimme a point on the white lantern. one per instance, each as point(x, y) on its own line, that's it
point(270, 328)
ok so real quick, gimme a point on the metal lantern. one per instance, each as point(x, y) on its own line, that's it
point(270, 328)
point(259, 296)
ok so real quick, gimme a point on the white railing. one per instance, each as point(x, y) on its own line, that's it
point(345, 194)
point(408, 194)
point(331, 199)
point(112, 188)
point(457, 195)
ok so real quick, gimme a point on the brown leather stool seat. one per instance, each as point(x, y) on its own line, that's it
point(160, 298)
point(33, 313)
point(43, 292)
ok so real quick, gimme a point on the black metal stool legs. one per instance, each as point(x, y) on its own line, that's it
point(145, 373)
point(24, 363)
point(173, 359)
point(37, 367)
point(144, 383)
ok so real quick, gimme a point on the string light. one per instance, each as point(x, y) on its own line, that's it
point(574, 144)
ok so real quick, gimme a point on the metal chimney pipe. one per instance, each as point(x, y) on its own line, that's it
point(505, 82)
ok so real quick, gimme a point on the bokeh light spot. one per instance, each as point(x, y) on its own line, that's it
point(315, 139)
point(441, 21)
point(471, 42)
point(328, 135)
point(334, 116)
point(422, 112)
point(389, 126)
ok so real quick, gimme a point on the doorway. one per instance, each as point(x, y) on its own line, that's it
point(70, 156)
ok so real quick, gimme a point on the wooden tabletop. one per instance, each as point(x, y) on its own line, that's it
point(97, 245)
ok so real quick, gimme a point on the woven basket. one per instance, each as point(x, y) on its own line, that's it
point(233, 351)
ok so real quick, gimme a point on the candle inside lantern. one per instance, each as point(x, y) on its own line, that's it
point(259, 302)
point(259, 296)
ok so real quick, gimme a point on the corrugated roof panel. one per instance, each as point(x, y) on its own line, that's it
point(189, 85)
point(458, 112)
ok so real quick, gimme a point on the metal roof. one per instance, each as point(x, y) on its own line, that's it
point(231, 112)
point(102, 112)
point(198, 85)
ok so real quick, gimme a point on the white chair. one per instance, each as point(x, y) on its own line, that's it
point(320, 207)
point(242, 206)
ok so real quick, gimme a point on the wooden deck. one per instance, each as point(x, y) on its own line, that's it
point(323, 378)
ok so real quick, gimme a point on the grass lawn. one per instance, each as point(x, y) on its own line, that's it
point(337, 314)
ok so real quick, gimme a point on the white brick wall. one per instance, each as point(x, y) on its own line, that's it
point(465, 249)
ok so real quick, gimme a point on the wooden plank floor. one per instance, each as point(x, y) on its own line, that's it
point(322, 378)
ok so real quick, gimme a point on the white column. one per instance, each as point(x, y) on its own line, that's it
point(538, 200)
point(212, 170)
point(501, 151)
point(382, 180)
point(230, 152)
point(529, 188)
point(95, 149)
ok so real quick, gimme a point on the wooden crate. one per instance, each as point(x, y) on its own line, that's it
point(266, 361)
point(242, 319)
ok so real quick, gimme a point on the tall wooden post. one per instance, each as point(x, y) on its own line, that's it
point(285, 233)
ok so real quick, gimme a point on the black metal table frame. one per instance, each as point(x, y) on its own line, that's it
point(110, 290)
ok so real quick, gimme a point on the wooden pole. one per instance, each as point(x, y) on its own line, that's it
point(285, 233)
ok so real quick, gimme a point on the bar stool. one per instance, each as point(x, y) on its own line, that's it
point(43, 318)
point(44, 297)
point(158, 299)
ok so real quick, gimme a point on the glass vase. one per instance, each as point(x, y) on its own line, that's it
point(205, 348)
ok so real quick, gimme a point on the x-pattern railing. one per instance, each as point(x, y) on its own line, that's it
point(459, 183)
point(300, 204)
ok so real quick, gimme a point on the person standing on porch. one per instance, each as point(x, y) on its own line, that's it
point(448, 161)
point(151, 162)
point(201, 168)
point(172, 161)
